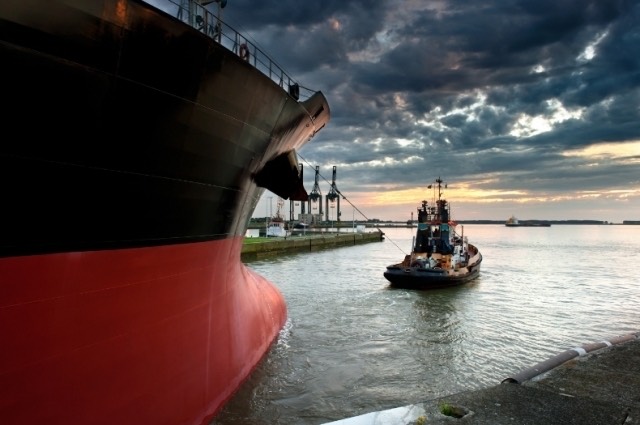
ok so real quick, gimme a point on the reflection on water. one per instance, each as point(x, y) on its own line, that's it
point(353, 345)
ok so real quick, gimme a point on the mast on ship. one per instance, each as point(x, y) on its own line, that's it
point(442, 226)
point(433, 234)
point(279, 217)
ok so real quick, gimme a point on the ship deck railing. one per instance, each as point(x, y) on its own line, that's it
point(196, 15)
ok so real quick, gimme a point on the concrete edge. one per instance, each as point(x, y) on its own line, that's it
point(565, 356)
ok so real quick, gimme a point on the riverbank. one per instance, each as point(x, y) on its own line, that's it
point(310, 242)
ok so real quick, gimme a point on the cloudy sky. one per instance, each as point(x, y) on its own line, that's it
point(524, 107)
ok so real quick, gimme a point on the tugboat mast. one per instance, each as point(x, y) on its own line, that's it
point(433, 224)
point(439, 181)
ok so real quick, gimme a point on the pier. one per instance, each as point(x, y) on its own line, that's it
point(270, 247)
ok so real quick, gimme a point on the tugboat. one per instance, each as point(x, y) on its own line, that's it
point(440, 256)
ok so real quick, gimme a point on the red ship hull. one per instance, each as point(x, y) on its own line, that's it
point(144, 335)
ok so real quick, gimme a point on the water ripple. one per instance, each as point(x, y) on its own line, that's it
point(353, 345)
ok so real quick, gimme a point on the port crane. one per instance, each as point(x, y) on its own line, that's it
point(333, 195)
point(316, 195)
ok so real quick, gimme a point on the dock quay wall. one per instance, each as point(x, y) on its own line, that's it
point(309, 243)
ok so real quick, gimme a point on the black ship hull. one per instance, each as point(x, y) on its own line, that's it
point(132, 129)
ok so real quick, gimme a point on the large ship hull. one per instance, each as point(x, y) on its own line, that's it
point(132, 153)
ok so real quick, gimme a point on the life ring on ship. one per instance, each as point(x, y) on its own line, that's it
point(244, 51)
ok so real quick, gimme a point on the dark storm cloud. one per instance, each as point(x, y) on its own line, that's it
point(456, 85)
point(299, 33)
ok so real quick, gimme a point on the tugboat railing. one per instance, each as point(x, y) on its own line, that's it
point(193, 13)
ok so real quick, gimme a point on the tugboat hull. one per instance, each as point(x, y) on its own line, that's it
point(417, 278)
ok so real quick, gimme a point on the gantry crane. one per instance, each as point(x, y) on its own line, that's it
point(333, 195)
point(316, 195)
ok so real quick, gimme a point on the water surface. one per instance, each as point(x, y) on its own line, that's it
point(353, 345)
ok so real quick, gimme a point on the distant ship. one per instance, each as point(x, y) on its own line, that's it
point(136, 145)
point(514, 222)
point(277, 225)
